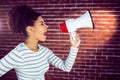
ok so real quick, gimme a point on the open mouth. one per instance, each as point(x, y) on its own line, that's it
point(45, 34)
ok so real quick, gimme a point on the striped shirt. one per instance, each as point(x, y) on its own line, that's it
point(30, 65)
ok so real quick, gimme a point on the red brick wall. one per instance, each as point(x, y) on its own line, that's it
point(98, 57)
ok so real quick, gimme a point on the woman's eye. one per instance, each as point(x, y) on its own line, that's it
point(42, 23)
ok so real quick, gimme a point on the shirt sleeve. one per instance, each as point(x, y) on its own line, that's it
point(63, 65)
point(10, 61)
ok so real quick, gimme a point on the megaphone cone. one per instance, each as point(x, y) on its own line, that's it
point(84, 21)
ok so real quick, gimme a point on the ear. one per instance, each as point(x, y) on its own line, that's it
point(29, 29)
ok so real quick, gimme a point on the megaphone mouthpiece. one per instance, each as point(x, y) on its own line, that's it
point(63, 27)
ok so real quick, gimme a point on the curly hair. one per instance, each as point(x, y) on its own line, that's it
point(20, 17)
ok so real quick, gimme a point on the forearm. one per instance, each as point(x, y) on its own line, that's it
point(64, 65)
point(10, 61)
point(3, 68)
point(70, 59)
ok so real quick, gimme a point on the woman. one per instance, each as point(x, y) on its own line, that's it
point(29, 59)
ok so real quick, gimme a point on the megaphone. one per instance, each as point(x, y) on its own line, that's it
point(71, 25)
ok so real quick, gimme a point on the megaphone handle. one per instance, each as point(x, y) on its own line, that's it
point(73, 35)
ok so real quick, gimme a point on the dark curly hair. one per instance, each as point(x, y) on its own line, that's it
point(20, 17)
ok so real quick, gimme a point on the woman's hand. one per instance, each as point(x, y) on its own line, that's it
point(75, 43)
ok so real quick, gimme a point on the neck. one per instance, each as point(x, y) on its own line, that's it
point(32, 44)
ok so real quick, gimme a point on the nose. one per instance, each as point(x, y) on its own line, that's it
point(46, 26)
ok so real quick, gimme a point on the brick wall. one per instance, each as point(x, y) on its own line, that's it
point(98, 57)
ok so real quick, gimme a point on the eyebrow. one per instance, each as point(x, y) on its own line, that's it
point(41, 21)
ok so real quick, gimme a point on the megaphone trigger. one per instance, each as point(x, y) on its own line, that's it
point(73, 35)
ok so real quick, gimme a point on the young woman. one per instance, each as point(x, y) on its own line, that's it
point(30, 59)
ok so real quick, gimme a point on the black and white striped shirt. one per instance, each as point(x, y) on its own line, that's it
point(31, 65)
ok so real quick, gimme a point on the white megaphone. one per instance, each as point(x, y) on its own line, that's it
point(71, 25)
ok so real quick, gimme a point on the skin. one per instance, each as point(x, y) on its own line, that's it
point(37, 32)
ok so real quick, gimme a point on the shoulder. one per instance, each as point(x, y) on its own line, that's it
point(45, 49)
point(17, 50)
point(20, 47)
point(14, 54)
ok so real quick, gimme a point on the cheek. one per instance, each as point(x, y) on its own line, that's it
point(39, 32)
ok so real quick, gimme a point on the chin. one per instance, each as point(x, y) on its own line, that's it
point(42, 39)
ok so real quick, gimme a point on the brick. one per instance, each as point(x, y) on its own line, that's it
point(98, 57)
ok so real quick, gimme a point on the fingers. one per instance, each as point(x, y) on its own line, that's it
point(77, 36)
point(76, 41)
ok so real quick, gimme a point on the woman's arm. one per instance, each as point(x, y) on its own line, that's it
point(68, 63)
point(63, 65)
point(10, 61)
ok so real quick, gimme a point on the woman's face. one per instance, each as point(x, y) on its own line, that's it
point(40, 29)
